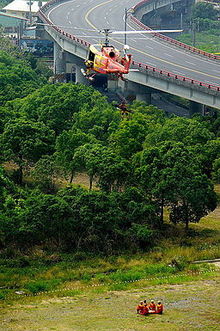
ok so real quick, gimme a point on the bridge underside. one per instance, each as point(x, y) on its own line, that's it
point(173, 86)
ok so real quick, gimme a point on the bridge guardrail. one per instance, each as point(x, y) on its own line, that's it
point(168, 39)
point(175, 76)
point(143, 66)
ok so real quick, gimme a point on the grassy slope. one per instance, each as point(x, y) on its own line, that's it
point(206, 41)
point(189, 301)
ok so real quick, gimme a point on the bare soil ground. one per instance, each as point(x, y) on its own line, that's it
point(191, 306)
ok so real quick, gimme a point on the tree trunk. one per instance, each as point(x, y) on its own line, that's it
point(71, 178)
point(187, 225)
point(161, 211)
point(20, 175)
point(187, 216)
point(90, 182)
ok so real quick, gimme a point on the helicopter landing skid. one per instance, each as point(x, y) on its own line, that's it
point(88, 76)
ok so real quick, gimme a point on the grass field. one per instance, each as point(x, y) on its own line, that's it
point(101, 293)
point(188, 306)
point(207, 41)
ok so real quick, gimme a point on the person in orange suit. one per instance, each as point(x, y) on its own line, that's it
point(159, 308)
point(140, 308)
point(145, 310)
point(152, 306)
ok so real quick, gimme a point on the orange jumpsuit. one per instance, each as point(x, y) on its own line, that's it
point(159, 308)
point(145, 310)
point(140, 309)
point(152, 306)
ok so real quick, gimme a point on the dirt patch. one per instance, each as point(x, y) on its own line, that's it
point(187, 307)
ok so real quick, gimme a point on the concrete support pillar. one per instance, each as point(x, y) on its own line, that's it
point(146, 97)
point(196, 108)
point(141, 92)
point(122, 86)
point(59, 61)
point(112, 83)
point(71, 71)
point(80, 78)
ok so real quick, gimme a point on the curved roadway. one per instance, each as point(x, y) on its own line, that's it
point(73, 15)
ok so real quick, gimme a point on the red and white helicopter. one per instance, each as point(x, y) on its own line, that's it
point(106, 59)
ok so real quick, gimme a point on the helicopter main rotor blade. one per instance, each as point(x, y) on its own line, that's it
point(144, 31)
point(66, 26)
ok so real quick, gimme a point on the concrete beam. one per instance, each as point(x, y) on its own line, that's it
point(59, 60)
point(196, 108)
point(173, 86)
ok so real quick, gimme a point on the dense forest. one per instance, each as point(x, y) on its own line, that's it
point(138, 165)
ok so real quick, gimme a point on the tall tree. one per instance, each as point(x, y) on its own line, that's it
point(66, 145)
point(172, 173)
point(24, 142)
point(195, 198)
point(89, 159)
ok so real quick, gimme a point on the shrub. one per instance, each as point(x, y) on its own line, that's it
point(41, 286)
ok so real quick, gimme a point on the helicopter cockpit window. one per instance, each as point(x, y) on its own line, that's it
point(112, 54)
point(91, 56)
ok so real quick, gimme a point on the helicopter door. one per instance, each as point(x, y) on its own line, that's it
point(91, 56)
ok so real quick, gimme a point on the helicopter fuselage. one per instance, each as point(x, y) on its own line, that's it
point(107, 60)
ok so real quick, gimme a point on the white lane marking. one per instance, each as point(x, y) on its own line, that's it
point(194, 64)
point(168, 55)
point(178, 72)
point(50, 11)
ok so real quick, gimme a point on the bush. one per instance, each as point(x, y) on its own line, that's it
point(80, 256)
point(41, 286)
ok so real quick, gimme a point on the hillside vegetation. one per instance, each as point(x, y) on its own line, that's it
point(138, 166)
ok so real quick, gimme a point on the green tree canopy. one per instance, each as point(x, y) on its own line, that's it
point(172, 174)
point(17, 78)
point(25, 141)
point(66, 145)
point(55, 105)
point(204, 10)
point(130, 135)
point(178, 129)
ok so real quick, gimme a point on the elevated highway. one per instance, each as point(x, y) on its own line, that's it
point(160, 63)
